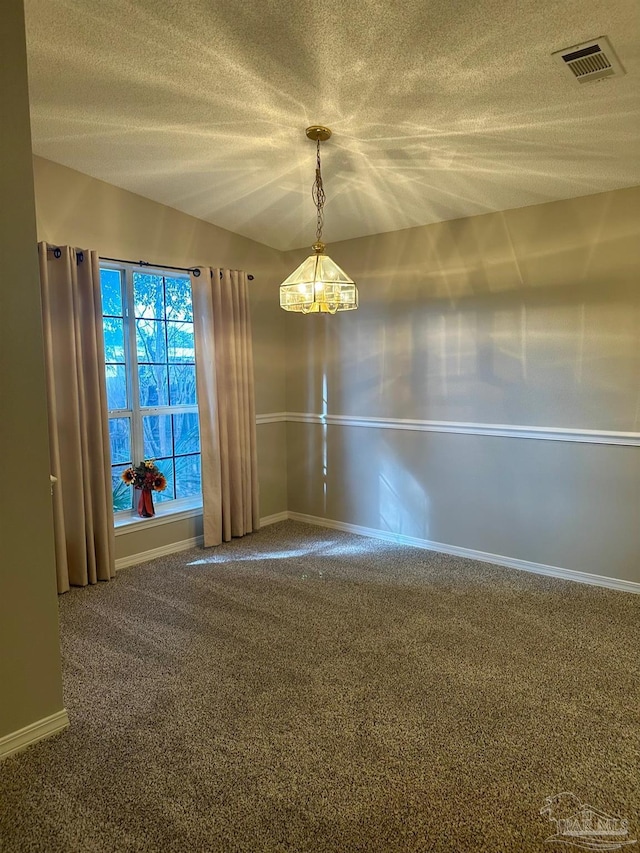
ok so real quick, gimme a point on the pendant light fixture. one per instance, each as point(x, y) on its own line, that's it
point(318, 285)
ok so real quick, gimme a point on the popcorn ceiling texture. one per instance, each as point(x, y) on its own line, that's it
point(309, 690)
point(440, 109)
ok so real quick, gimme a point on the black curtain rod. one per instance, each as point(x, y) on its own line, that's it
point(80, 257)
point(194, 270)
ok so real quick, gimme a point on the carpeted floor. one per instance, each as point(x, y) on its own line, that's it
point(310, 690)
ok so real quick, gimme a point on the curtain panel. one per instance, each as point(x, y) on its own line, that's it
point(78, 424)
point(226, 403)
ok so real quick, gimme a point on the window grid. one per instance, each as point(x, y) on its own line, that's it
point(135, 412)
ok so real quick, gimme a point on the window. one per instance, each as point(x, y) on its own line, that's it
point(151, 380)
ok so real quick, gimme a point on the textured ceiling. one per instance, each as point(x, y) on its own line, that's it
point(440, 109)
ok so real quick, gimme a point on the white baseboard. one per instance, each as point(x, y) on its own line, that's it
point(401, 539)
point(274, 519)
point(171, 548)
point(184, 545)
point(17, 741)
point(482, 556)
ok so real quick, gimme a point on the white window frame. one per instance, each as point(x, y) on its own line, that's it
point(181, 507)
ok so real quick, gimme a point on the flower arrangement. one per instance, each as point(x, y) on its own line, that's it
point(146, 476)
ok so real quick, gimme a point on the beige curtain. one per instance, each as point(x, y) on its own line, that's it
point(78, 426)
point(224, 371)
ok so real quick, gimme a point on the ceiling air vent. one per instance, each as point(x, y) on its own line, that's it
point(592, 60)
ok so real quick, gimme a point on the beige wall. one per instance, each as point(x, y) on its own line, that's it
point(30, 680)
point(529, 317)
point(135, 541)
point(76, 209)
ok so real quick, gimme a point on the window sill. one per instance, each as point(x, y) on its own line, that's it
point(129, 522)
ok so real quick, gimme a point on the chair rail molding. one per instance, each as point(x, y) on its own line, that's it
point(585, 436)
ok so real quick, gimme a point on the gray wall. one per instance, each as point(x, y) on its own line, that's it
point(30, 680)
point(78, 210)
point(529, 317)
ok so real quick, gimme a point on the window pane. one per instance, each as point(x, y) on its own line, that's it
point(120, 439)
point(122, 494)
point(178, 295)
point(188, 476)
point(156, 430)
point(182, 385)
point(111, 292)
point(113, 339)
point(116, 386)
point(166, 466)
point(180, 342)
point(148, 295)
point(154, 390)
point(150, 339)
point(186, 433)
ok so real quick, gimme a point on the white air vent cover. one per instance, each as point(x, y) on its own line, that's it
point(592, 60)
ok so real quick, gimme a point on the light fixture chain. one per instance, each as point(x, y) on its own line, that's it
point(317, 193)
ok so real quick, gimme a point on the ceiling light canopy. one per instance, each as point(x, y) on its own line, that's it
point(318, 285)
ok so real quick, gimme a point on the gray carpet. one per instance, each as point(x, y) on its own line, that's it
point(309, 690)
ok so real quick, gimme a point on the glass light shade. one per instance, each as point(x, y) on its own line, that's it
point(318, 286)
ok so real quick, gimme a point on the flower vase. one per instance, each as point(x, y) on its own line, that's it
point(145, 503)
